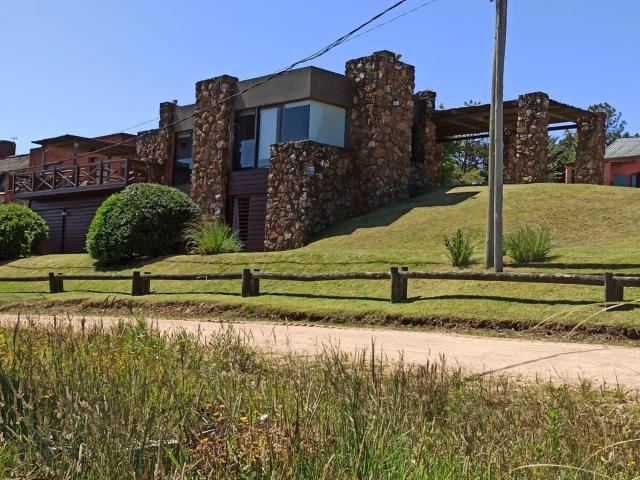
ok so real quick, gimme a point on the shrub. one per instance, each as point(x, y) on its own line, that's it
point(142, 220)
point(527, 245)
point(211, 237)
point(460, 249)
point(21, 229)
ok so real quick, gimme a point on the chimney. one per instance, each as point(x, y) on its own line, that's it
point(7, 148)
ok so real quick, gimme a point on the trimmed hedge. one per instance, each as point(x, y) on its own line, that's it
point(144, 220)
point(21, 229)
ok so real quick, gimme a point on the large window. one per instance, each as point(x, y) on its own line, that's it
point(182, 159)
point(257, 130)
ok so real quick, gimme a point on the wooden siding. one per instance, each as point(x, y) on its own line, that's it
point(67, 233)
point(250, 184)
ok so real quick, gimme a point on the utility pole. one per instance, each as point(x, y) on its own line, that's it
point(493, 247)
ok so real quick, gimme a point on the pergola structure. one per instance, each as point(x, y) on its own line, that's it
point(527, 122)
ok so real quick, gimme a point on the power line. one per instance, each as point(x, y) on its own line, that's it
point(343, 39)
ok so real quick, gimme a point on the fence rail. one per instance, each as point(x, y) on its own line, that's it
point(250, 280)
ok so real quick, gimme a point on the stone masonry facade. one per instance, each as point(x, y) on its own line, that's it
point(309, 189)
point(590, 140)
point(426, 164)
point(532, 139)
point(380, 129)
point(212, 143)
point(155, 147)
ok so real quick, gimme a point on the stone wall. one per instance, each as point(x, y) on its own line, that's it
point(309, 189)
point(509, 156)
point(154, 148)
point(380, 128)
point(426, 161)
point(532, 140)
point(212, 143)
point(590, 138)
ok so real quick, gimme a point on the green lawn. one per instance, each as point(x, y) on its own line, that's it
point(596, 229)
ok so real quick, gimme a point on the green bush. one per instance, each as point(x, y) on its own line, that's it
point(460, 249)
point(527, 245)
point(210, 237)
point(144, 220)
point(21, 229)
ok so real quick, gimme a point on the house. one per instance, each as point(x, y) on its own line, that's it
point(282, 158)
point(622, 163)
point(9, 162)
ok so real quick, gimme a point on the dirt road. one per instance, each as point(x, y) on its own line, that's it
point(566, 362)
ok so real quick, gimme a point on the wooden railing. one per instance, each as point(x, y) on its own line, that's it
point(399, 278)
point(105, 172)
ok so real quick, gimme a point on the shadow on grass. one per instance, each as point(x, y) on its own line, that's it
point(388, 214)
point(580, 266)
point(497, 298)
point(323, 297)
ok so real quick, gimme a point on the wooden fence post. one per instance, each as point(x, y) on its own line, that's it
point(59, 283)
point(404, 286)
point(395, 285)
point(613, 290)
point(246, 282)
point(136, 289)
point(53, 283)
point(146, 283)
point(255, 284)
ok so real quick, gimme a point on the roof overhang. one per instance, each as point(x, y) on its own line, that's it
point(475, 119)
point(89, 145)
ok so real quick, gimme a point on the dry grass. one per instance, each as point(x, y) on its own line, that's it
point(131, 402)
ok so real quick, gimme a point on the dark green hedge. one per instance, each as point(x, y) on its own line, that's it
point(21, 229)
point(144, 220)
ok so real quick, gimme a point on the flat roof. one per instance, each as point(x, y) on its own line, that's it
point(88, 145)
point(475, 119)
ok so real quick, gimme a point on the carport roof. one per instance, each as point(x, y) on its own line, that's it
point(475, 119)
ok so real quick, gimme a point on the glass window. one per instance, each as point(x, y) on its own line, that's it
point(268, 134)
point(183, 158)
point(245, 141)
point(327, 124)
point(295, 122)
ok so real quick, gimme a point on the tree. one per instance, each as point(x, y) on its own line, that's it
point(614, 124)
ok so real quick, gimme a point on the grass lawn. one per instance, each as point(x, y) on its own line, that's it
point(132, 403)
point(596, 229)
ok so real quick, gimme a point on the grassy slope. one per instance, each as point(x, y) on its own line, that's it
point(596, 229)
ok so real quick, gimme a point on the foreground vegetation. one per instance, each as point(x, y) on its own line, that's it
point(594, 229)
point(130, 402)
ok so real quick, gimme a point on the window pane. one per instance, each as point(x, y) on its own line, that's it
point(183, 161)
point(245, 141)
point(268, 135)
point(295, 123)
point(327, 124)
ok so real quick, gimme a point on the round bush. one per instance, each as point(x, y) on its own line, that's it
point(21, 229)
point(144, 220)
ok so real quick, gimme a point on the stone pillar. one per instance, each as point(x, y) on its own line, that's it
point(509, 139)
point(532, 141)
point(426, 163)
point(308, 189)
point(380, 128)
point(590, 138)
point(212, 143)
point(155, 147)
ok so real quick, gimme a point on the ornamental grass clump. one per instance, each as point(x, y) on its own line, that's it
point(211, 237)
point(460, 248)
point(528, 245)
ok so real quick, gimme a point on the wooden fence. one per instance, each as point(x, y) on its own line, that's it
point(399, 280)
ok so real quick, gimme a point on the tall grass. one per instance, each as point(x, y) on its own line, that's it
point(132, 403)
point(211, 237)
point(527, 245)
point(460, 249)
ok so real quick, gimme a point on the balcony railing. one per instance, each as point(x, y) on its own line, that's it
point(105, 172)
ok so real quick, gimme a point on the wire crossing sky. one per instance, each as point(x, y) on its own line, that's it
point(92, 68)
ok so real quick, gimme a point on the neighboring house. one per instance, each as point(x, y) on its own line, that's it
point(622, 163)
point(281, 159)
point(9, 163)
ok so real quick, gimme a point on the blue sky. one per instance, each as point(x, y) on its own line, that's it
point(96, 67)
